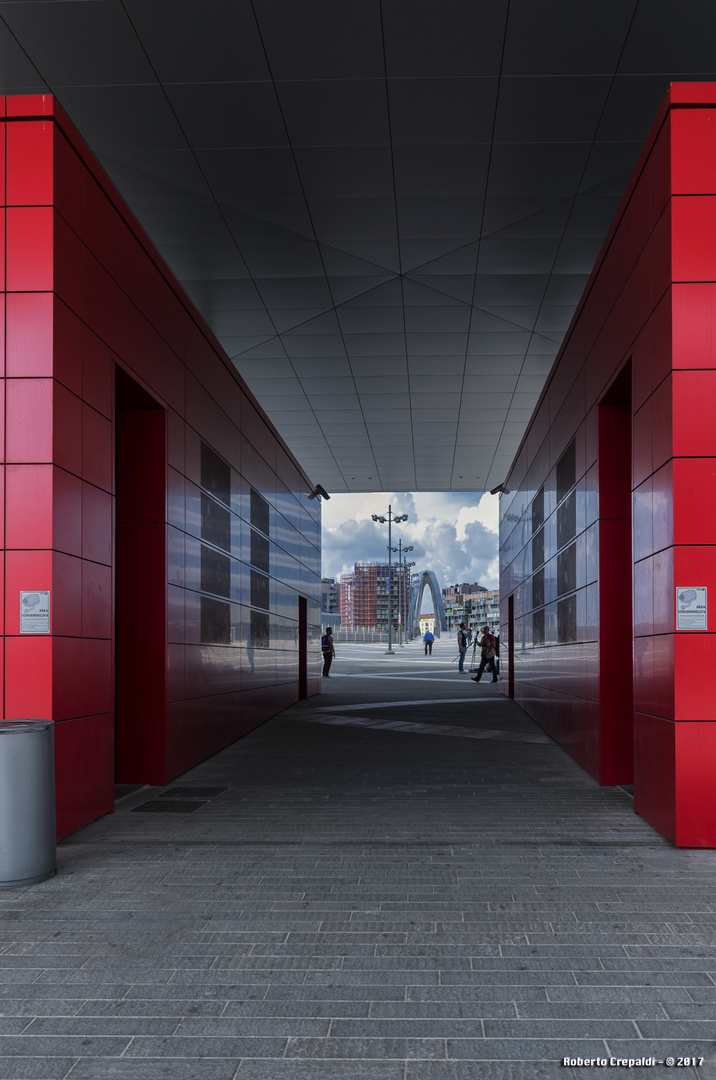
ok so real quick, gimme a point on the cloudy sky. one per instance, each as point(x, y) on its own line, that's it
point(452, 533)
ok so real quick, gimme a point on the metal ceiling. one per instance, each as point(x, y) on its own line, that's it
point(385, 209)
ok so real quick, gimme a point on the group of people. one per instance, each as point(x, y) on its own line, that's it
point(488, 643)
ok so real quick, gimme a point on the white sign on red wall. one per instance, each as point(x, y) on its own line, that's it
point(691, 609)
point(35, 611)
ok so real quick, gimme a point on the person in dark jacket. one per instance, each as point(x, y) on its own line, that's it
point(488, 651)
point(328, 651)
point(462, 647)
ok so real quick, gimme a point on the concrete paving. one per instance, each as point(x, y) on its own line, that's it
point(403, 879)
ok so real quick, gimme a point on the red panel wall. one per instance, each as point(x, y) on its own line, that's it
point(84, 296)
point(642, 340)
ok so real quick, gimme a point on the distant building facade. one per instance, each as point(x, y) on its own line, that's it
point(427, 622)
point(472, 604)
point(330, 595)
point(364, 596)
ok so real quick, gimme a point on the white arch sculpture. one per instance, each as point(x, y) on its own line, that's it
point(426, 580)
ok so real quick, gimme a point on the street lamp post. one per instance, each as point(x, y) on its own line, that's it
point(400, 549)
point(407, 564)
point(390, 517)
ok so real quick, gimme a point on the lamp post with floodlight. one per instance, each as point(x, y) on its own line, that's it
point(390, 517)
point(400, 549)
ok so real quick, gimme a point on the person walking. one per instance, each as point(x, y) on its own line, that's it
point(328, 651)
point(462, 647)
point(428, 639)
point(488, 652)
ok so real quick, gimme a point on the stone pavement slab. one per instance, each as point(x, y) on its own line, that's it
point(402, 879)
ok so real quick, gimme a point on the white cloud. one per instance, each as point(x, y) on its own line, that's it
point(452, 533)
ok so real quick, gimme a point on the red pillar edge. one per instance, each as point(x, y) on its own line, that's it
point(85, 294)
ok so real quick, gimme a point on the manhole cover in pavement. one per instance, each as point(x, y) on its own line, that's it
point(192, 792)
point(177, 806)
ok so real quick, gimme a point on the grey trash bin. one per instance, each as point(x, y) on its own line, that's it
point(28, 851)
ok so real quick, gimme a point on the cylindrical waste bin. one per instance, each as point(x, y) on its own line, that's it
point(28, 851)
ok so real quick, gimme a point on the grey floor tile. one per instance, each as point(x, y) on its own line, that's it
point(36, 1068)
point(363, 904)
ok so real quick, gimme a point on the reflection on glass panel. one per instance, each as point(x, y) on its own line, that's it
point(538, 510)
point(215, 524)
point(566, 471)
point(259, 637)
point(567, 570)
point(259, 551)
point(215, 474)
point(259, 512)
point(259, 591)
point(215, 621)
point(567, 620)
point(567, 521)
point(215, 572)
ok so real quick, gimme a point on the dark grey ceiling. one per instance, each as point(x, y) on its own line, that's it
point(386, 211)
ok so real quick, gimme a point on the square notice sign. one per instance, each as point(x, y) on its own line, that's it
point(691, 613)
point(35, 611)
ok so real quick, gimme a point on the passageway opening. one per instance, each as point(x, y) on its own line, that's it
point(616, 626)
point(140, 583)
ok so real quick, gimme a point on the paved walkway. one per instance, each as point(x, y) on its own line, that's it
point(403, 879)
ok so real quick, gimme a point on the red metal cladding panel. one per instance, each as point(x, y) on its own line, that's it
point(694, 324)
point(29, 570)
point(644, 598)
point(28, 506)
point(66, 512)
point(67, 348)
point(66, 428)
point(695, 788)
point(642, 461)
point(97, 676)
point(694, 517)
point(30, 249)
point(643, 666)
point(97, 448)
point(29, 335)
point(98, 761)
point(663, 675)
point(30, 163)
point(67, 689)
point(84, 773)
point(655, 772)
point(67, 268)
point(694, 660)
point(69, 751)
point(97, 524)
point(663, 563)
point(694, 238)
point(29, 420)
point(175, 441)
point(643, 538)
point(28, 677)
point(66, 594)
point(175, 672)
point(662, 499)
point(3, 230)
point(97, 373)
point(694, 405)
point(693, 135)
point(69, 181)
point(96, 606)
point(662, 435)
